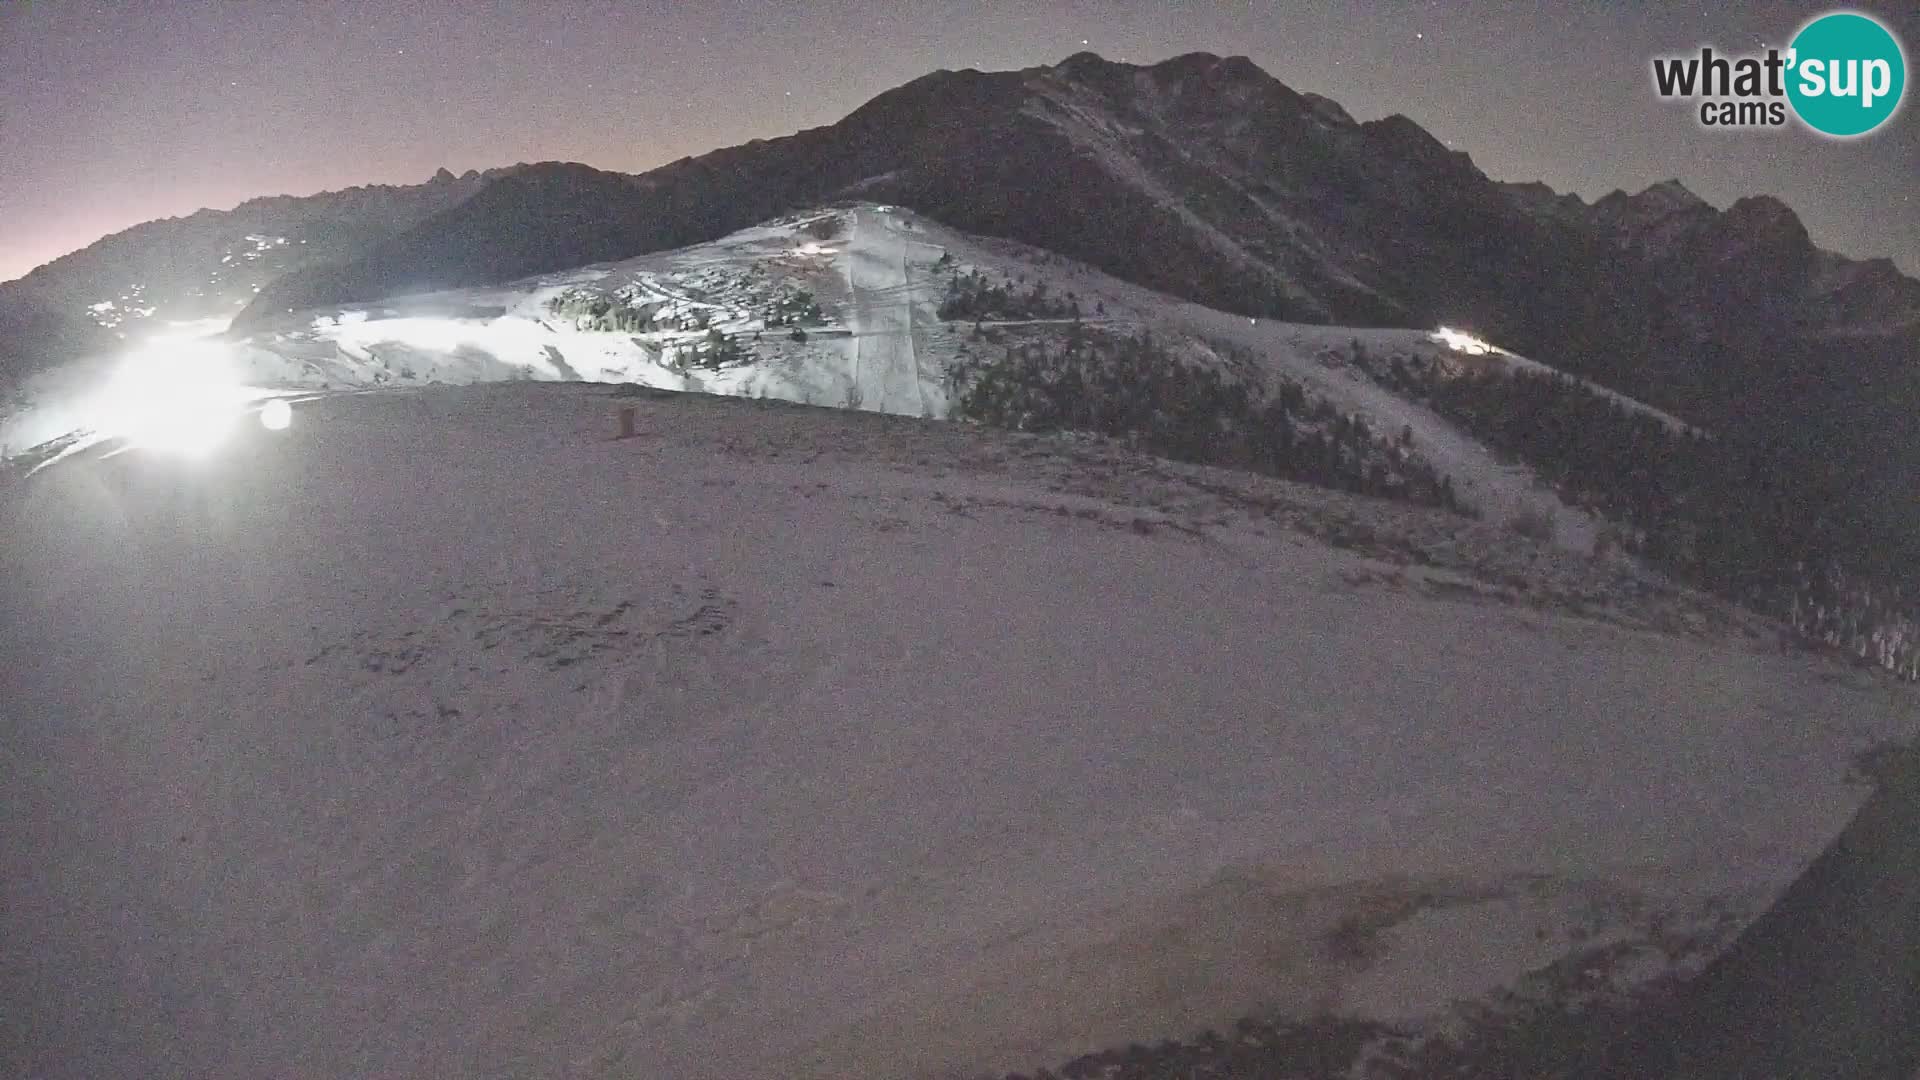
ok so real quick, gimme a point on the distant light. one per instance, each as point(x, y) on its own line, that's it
point(1461, 343)
point(179, 332)
point(276, 415)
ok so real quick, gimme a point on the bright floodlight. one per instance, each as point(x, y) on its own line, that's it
point(1461, 343)
point(276, 415)
point(180, 397)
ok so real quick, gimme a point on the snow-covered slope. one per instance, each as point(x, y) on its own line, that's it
point(880, 347)
point(873, 344)
point(516, 332)
point(1320, 358)
point(445, 735)
point(832, 307)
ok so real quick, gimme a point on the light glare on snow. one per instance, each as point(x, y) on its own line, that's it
point(181, 331)
point(427, 332)
point(1462, 343)
point(172, 396)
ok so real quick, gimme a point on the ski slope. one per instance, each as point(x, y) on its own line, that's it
point(1501, 490)
point(885, 357)
point(446, 735)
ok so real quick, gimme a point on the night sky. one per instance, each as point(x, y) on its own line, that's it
point(116, 113)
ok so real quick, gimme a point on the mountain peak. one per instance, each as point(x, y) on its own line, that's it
point(1088, 68)
point(1670, 194)
point(1537, 197)
point(1186, 65)
point(1763, 216)
point(1762, 208)
point(1655, 203)
point(1083, 60)
point(1405, 136)
point(443, 176)
point(1236, 82)
point(1208, 65)
point(1328, 109)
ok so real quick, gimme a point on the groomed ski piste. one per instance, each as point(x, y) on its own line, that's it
point(446, 733)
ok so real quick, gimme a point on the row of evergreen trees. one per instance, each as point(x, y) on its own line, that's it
point(717, 351)
point(588, 309)
point(973, 296)
point(1740, 513)
point(1874, 622)
point(795, 309)
point(1133, 388)
point(591, 310)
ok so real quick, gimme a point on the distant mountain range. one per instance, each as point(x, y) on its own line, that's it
point(1201, 176)
point(207, 265)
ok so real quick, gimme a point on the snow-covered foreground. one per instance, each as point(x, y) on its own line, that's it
point(445, 735)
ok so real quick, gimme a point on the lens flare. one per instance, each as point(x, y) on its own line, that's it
point(276, 415)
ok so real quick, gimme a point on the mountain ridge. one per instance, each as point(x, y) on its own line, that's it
point(955, 110)
point(1295, 284)
point(199, 266)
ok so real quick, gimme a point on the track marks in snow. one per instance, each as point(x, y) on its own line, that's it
point(553, 629)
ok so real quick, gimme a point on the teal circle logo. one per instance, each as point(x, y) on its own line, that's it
point(1847, 74)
